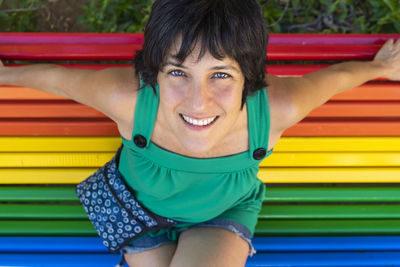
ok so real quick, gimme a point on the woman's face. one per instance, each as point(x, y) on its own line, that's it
point(200, 100)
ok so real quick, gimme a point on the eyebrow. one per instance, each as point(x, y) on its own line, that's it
point(223, 67)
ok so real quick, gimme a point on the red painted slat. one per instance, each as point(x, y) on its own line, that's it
point(71, 38)
point(68, 52)
point(137, 38)
point(126, 52)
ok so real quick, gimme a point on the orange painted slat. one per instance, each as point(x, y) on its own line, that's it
point(23, 93)
point(369, 91)
point(108, 128)
point(345, 128)
point(357, 109)
point(61, 109)
point(372, 91)
point(70, 109)
point(58, 128)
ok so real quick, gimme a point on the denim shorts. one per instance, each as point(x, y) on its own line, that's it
point(148, 242)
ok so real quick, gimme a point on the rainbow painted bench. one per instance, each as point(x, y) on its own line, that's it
point(333, 182)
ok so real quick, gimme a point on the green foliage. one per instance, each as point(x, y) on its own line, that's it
point(116, 15)
point(18, 16)
point(332, 16)
point(292, 16)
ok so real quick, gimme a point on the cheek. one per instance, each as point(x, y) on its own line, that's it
point(230, 96)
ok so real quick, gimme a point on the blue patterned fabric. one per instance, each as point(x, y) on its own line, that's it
point(113, 210)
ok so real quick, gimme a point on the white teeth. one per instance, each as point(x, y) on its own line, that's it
point(198, 122)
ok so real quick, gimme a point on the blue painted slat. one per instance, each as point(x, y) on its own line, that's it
point(328, 243)
point(367, 259)
point(271, 244)
point(59, 260)
point(326, 259)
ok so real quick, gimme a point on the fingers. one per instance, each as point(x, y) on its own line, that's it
point(1, 64)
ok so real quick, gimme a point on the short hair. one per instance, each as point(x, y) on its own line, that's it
point(224, 28)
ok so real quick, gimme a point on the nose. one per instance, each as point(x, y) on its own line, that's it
point(198, 95)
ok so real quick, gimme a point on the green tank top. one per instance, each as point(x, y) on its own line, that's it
point(196, 189)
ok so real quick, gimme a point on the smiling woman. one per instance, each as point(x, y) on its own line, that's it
point(196, 118)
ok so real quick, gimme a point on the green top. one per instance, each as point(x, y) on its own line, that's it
point(195, 189)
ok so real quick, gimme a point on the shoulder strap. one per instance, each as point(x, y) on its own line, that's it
point(145, 115)
point(258, 117)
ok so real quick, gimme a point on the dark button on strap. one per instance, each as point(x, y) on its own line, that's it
point(259, 153)
point(140, 140)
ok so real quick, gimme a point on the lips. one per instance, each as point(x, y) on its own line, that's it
point(198, 122)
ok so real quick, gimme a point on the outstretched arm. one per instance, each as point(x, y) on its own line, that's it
point(292, 98)
point(106, 90)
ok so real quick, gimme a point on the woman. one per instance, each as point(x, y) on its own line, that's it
point(196, 116)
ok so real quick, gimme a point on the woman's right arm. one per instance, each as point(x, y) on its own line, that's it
point(112, 91)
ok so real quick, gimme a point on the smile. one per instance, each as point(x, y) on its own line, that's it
point(197, 122)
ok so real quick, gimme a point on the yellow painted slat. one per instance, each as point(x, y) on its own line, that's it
point(59, 144)
point(285, 144)
point(77, 159)
point(329, 175)
point(267, 175)
point(331, 159)
point(44, 176)
point(343, 144)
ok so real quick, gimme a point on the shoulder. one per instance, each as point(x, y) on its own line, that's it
point(282, 110)
point(120, 88)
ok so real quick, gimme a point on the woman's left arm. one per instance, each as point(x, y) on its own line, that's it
point(297, 96)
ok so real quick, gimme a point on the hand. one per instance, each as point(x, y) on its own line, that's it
point(389, 56)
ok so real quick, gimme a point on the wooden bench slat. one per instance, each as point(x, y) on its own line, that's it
point(44, 176)
point(59, 211)
point(353, 194)
point(278, 159)
point(45, 52)
point(83, 127)
point(330, 175)
point(45, 244)
point(42, 211)
point(37, 194)
point(285, 144)
point(375, 91)
point(326, 259)
point(128, 38)
point(66, 127)
point(267, 175)
point(61, 109)
point(322, 193)
point(330, 159)
point(59, 144)
point(334, 211)
point(327, 227)
point(46, 228)
point(263, 228)
point(69, 109)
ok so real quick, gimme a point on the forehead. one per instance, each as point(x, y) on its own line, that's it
point(197, 56)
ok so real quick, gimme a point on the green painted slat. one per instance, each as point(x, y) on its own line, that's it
point(23, 228)
point(42, 211)
point(333, 194)
point(348, 211)
point(264, 227)
point(284, 211)
point(274, 194)
point(37, 194)
point(328, 227)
